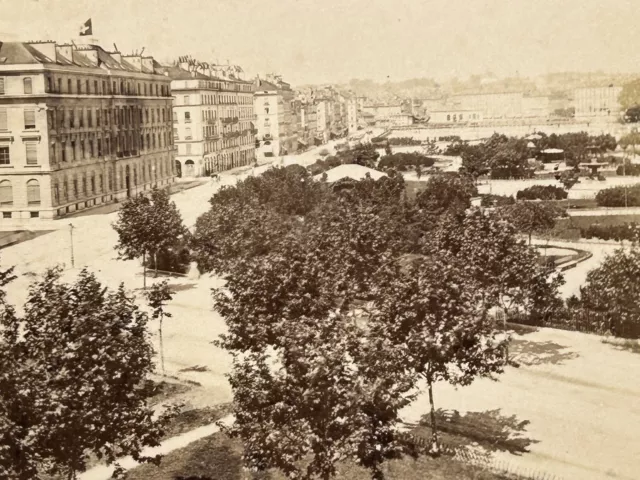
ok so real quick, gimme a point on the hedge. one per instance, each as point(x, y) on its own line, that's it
point(407, 141)
point(542, 192)
point(405, 161)
point(615, 196)
point(629, 170)
point(627, 231)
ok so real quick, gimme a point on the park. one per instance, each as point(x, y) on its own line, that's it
point(561, 394)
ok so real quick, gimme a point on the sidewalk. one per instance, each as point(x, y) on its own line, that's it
point(104, 472)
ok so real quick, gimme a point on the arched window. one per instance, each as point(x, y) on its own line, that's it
point(448, 118)
point(33, 192)
point(28, 86)
point(6, 193)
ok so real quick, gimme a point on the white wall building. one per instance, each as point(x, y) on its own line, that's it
point(597, 102)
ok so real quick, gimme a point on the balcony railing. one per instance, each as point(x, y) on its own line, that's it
point(230, 120)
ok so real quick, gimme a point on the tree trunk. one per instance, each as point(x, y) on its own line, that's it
point(435, 445)
point(155, 264)
point(529, 238)
point(161, 347)
point(144, 270)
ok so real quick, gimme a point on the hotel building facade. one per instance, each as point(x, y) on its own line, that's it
point(79, 127)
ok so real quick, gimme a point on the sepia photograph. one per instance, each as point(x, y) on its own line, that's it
point(319, 239)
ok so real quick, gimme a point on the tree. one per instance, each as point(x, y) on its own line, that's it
point(157, 297)
point(446, 194)
point(568, 179)
point(77, 378)
point(387, 149)
point(632, 115)
point(147, 225)
point(630, 94)
point(532, 217)
point(429, 310)
point(418, 171)
point(631, 139)
point(311, 386)
point(611, 290)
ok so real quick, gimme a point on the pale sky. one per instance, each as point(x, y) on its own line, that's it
point(311, 41)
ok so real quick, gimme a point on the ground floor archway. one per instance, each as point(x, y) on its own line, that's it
point(189, 168)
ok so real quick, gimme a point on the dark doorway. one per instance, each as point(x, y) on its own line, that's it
point(127, 179)
point(178, 169)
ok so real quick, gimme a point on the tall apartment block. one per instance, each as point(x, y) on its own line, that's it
point(79, 126)
point(213, 117)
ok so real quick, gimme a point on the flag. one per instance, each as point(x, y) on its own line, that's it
point(86, 29)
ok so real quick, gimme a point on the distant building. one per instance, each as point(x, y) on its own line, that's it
point(352, 115)
point(492, 105)
point(382, 114)
point(324, 114)
point(79, 126)
point(536, 106)
point(275, 121)
point(450, 116)
point(597, 102)
point(213, 117)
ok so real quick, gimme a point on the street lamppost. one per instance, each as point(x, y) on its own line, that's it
point(71, 237)
point(155, 179)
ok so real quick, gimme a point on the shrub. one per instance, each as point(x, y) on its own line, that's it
point(615, 196)
point(542, 192)
point(629, 170)
point(489, 200)
point(174, 260)
point(450, 138)
point(404, 161)
point(627, 231)
point(404, 141)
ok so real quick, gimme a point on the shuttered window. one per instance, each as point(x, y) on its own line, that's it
point(33, 192)
point(3, 119)
point(1, 86)
point(6, 193)
point(29, 119)
point(32, 153)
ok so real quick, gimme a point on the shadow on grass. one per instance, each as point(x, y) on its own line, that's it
point(539, 353)
point(623, 344)
point(490, 430)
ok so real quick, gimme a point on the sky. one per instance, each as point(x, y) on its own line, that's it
point(333, 41)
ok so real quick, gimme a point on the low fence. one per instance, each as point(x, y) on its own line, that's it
point(582, 320)
point(477, 458)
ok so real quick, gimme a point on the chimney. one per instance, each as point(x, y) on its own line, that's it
point(135, 60)
point(183, 63)
point(48, 49)
point(65, 51)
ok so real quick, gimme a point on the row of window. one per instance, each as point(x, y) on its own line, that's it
point(460, 117)
point(218, 99)
point(122, 144)
point(31, 154)
point(126, 116)
point(87, 87)
point(105, 87)
point(6, 192)
point(94, 183)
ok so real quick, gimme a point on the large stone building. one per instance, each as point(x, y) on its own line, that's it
point(79, 126)
point(597, 102)
point(213, 117)
point(493, 106)
point(275, 119)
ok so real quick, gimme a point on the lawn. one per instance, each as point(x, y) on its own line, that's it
point(569, 228)
point(218, 457)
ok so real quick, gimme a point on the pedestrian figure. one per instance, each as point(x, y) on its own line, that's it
point(215, 178)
